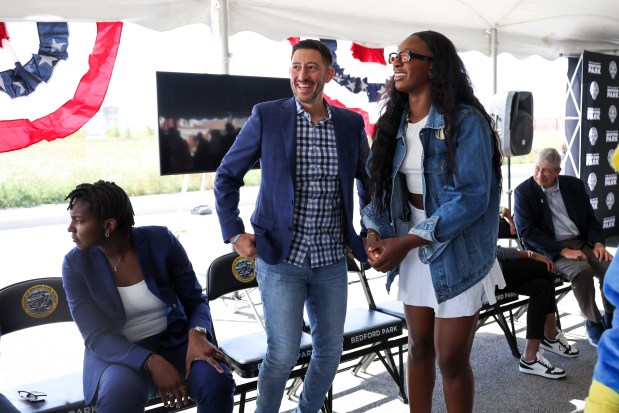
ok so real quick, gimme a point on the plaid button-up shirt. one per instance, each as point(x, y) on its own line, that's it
point(318, 215)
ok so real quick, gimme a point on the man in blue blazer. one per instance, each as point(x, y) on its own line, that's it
point(310, 154)
point(554, 217)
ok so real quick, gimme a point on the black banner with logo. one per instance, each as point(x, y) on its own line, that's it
point(599, 134)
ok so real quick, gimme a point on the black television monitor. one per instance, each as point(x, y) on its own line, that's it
point(201, 114)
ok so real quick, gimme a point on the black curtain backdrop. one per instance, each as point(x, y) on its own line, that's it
point(592, 131)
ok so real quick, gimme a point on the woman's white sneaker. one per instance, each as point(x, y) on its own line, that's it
point(541, 367)
point(559, 346)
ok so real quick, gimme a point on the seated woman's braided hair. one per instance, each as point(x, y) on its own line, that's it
point(107, 200)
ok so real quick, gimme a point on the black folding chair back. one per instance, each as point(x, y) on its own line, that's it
point(232, 273)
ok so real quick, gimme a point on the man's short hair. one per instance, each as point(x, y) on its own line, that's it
point(549, 155)
point(327, 57)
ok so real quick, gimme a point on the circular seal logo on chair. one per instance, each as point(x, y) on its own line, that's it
point(244, 269)
point(39, 301)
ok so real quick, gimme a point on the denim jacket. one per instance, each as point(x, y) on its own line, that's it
point(461, 205)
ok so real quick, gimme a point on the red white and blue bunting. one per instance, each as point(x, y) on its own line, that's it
point(78, 109)
point(353, 83)
point(24, 79)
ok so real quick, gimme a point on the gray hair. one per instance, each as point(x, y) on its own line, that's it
point(549, 155)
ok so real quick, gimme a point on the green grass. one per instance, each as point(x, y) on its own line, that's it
point(46, 172)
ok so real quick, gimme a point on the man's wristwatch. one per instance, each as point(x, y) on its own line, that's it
point(200, 330)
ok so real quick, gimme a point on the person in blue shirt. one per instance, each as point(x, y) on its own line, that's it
point(435, 183)
point(604, 391)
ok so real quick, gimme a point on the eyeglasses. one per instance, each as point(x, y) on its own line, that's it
point(544, 171)
point(407, 55)
point(32, 396)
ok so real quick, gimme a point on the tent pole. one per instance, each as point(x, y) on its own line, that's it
point(221, 30)
point(494, 41)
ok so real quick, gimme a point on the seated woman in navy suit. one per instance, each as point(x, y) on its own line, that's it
point(137, 302)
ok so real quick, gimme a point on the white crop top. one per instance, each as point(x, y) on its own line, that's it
point(411, 164)
point(146, 314)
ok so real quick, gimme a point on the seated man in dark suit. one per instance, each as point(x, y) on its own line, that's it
point(554, 217)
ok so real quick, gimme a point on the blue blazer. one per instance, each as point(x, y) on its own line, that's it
point(533, 217)
point(97, 309)
point(269, 136)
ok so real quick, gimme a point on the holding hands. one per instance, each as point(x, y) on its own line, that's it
point(386, 254)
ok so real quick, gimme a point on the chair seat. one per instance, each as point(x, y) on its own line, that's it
point(394, 308)
point(364, 326)
point(64, 394)
point(245, 353)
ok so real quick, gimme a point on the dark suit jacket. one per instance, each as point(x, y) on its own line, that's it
point(533, 217)
point(270, 136)
point(97, 309)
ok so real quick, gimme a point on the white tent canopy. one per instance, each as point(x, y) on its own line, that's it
point(549, 28)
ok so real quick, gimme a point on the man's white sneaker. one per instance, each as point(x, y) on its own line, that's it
point(541, 367)
point(559, 346)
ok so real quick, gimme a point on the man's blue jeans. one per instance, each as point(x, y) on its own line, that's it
point(284, 289)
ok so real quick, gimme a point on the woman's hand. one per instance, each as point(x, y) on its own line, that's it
point(544, 259)
point(199, 348)
point(387, 254)
point(168, 381)
point(507, 215)
point(370, 245)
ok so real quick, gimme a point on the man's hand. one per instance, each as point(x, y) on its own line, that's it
point(571, 254)
point(246, 245)
point(601, 253)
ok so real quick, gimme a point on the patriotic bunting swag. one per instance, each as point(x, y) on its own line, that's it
point(355, 84)
point(23, 80)
point(86, 102)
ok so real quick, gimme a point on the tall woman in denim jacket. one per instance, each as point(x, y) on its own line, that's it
point(435, 170)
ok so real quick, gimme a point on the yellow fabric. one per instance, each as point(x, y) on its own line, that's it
point(602, 399)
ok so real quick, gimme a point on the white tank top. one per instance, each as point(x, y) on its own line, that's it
point(411, 164)
point(146, 314)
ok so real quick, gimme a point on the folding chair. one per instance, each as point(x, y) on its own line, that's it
point(38, 302)
point(374, 333)
point(231, 273)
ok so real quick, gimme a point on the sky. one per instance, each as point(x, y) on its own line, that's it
point(193, 49)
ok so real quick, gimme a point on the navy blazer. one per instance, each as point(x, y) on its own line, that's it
point(97, 309)
point(270, 136)
point(533, 217)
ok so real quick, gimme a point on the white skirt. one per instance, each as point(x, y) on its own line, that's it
point(416, 289)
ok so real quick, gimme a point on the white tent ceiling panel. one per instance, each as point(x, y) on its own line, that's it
point(548, 28)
